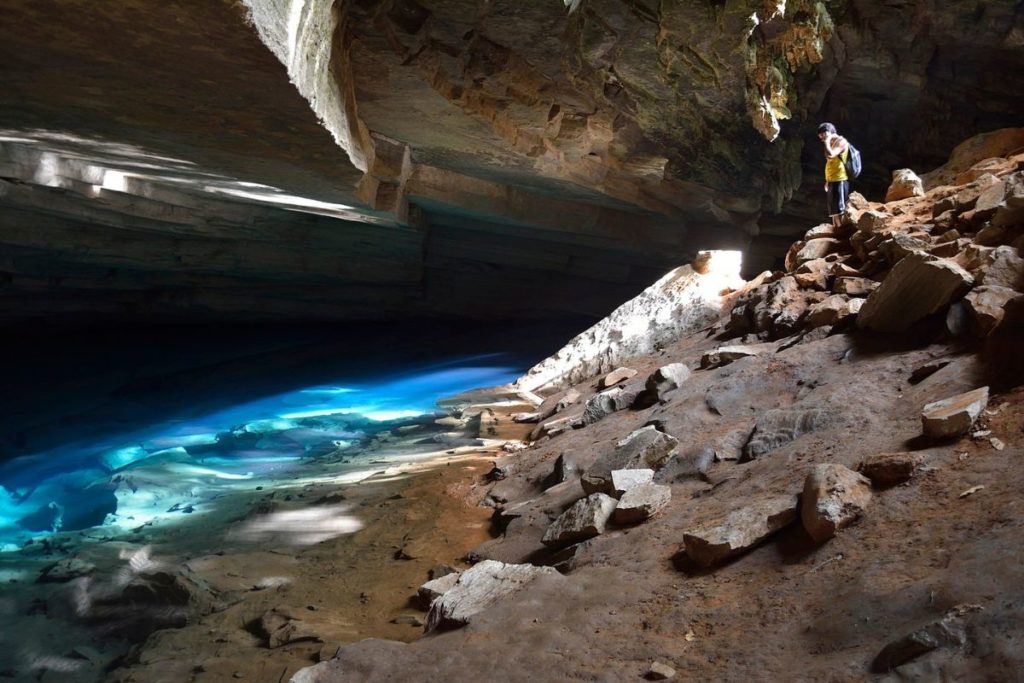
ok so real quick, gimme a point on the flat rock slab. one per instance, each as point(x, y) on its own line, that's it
point(741, 529)
point(616, 376)
point(624, 480)
point(833, 497)
point(478, 588)
point(434, 589)
point(948, 632)
point(641, 503)
point(889, 469)
point(725, 355)
point(646, 448)
point(986, 307)
point(916, 287)
point(663, 380)
point(610, 401)
point(585, 519)
point(953, 416)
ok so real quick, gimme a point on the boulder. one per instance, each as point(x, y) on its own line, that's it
point(616, 376)
point(1012, 211)
point(641, 502)
point(585, 519)
point(953, 416)
point(646, 448)
point(889, 469)
point(872, 221)
point(624, 480)
point(833, 497)
point(610, 401)
point(435, 588)
point(916, 287)
point(828, 312)
point(1006, 269)
point(986, 306)
point(660, 382)
point(725, 355)
point(818, 280)
point(480, 587)
point(899, 246)
point(819, 231)
point(564, 469)
point(817, 248)
point(905, 183)
point(947, 632)
point(741, 529)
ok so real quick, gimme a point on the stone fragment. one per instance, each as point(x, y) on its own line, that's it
point(953, 416)
point(947, 632)
point(743, 528)
point(556, 426)
point(724, 355)
point(817, 248)
point(646, 448)
point(282, 628)
point(585, 519)
point(480, 587)
point(834, 497)
point(570, 397)
point(872, 221)
point(854, 286)
point(779, 426)
point(659, 672)
point(435, 588)
point(1012, 211)
point(917, 286)
point(616, 376)
point(986, 307)
point(660, 382)
point(564, 469)
point(812, 280)
point(1006, 269)
point(820, 231)
point(899, 246)
point(624, 480)
point(889, 469)
point(610, 401)
point(905, 183)
point(828, 312)
point(990, 236)
point(641, 502)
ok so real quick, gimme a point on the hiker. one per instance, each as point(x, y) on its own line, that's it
point(837, 181)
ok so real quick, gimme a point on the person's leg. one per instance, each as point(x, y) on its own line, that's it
point(831, 199)
point(842, 194)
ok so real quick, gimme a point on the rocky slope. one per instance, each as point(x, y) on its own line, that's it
point(830, 466)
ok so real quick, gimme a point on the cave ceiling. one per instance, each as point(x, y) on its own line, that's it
point(356, 159)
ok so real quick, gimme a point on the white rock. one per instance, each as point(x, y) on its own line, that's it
point(616, 376)
point(646, 448)
point(834, 497)
point(740, 529)
point(624, 480)
point(905, 183)
point(641, 502)
point(480, 587)
point(585, 519)
point(434, 589)
point(955, 415)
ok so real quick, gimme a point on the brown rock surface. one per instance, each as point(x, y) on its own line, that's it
point(834, 497)
point(953, 416)
point(918, 286)
point(739, 530)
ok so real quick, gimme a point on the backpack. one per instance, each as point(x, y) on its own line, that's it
point(853, 161)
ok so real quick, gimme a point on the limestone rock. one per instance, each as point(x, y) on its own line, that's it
point(817, 248)
point(828, 312)
point(854, 286)
point(624, 480)
point(905, 183)
point(585, 519)
point(616, 376)
point(610, 401)
point(480, 587)
point(1006, 269)
point(947, 632)
point(782, 425)
point(834, 497)
point(899, 246)
point(659, 672)
point(871, 221)
point(820, 231)
point(986, 307)
point(563, 470)
point(435, 588)
point(889, 469)
point(641, 502)
point(724, 355)
point(743, 528)
point(665, 379)
point(1012, 211)
point(281, 627)
point(917, 286)
point(955, 415)
point(646, 448)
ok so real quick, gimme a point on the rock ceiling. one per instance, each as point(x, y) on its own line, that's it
point(357, 159)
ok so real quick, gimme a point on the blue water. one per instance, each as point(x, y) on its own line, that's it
point(71, 486)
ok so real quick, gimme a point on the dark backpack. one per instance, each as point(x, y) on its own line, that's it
point(853, 162)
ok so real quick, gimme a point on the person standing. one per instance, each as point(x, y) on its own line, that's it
point(837, 182)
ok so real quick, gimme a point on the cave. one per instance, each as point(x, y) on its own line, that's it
point(316, 313)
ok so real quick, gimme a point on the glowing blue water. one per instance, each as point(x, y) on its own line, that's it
point(77, 479)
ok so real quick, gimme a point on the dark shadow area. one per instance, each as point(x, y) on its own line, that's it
point(69, 385)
